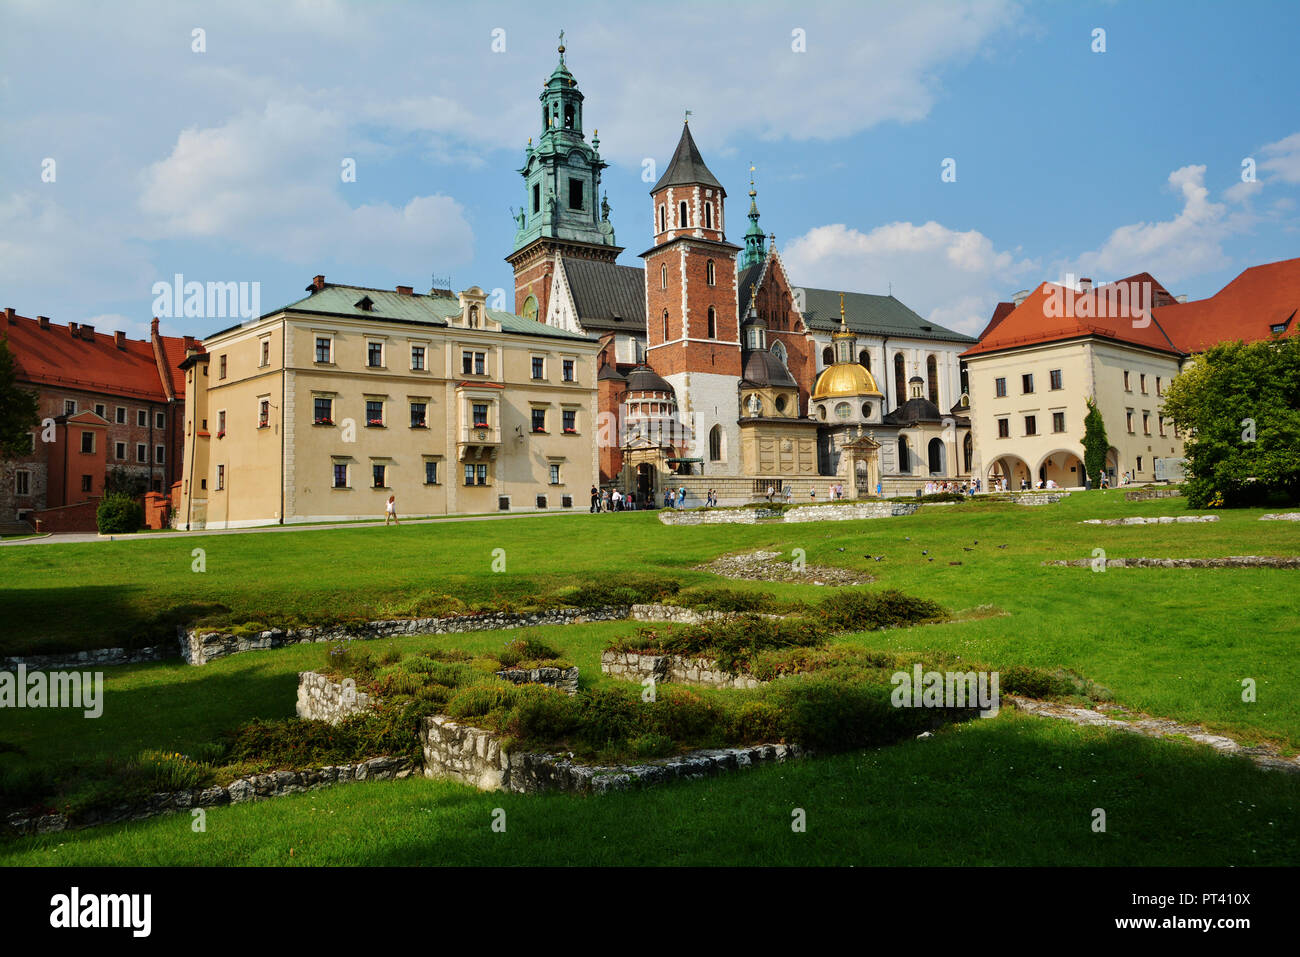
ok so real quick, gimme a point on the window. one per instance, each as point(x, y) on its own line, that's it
point(221, 423)
point(265, 358)
point(663, 276)
point(555, 474)
point(827, 356)
point(1031, 425)
point(1055, 378)
point(69, 407)
point(85, 483)
point(375, 355)
point(1142, 382)
point(340, 475)
point(374, 413)
point(160, 420)
point(1139, 468)
point(539, 420)
point(430, 472)
point(263, 413)
point(537, 197)
point(475, 474)
point(539, 367)
point(119, 451)
point(665, 325)
point(88, 442)
point(418, 415)
point(566, 501)
point(1127, 387)
point(379, 473)
point(1162, 425)
point(121, 415)
point(570, 418)
point(568, 368)
point(1146, 422)
point(713, 321)
point(221, 477)
point(1058, 421)
point(221, 367)
point(1000, 387)
point(864, 359)
point(417, 358)
point(900, 377)
point(681, 214)
point(932, 378)
point(141, 452)
point(708, 218)
point(159, 452)
point(323, 413)
point(473, 363)
point(99, 410)
point(710, 276)
point(715, 444)
point(324, 346)
point(904, 457)
point(662, 225)
point(1004, 428)
point(22, 483)
point(1027, 382)
point(480, 415)
point(575, 193)
point(541, 501)
point(142, 418)
point(1158, 389)
point(843, 410)
point(1128, 420)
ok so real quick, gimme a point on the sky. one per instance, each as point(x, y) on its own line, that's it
point(141, 140)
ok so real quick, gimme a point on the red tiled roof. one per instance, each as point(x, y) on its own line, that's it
point(1000, 312)
point(1053, 313)
point(1246, 308)
point(91, 362)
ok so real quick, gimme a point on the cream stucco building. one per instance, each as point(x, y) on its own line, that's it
point(323, 409)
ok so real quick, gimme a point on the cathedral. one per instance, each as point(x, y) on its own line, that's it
point(715, 371)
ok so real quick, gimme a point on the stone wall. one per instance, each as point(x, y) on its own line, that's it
point(1161, 520)
point(677, 614)
point(1281, 517)
point(703, 672)
point(320, 699)
point(563, 679)
point(848, 511)
point(474, 756)
point(1232, 561)
point(95, 657)
point(252, 788)
point(199, 647)
point(1147, 494)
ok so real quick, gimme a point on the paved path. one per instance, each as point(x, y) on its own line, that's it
point(263, 529)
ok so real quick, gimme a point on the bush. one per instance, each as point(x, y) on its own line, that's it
point(725, 599)
point(628, 591)
point(350, 662)
point(118, 514)
point(541, 715)
point(526, 649)
point(606, 717)
point(867, 611)
point(827, 715)
point(171, 771)
point(1039, 683)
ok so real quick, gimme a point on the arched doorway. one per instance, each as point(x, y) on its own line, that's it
point(904, 455)
point(937, 456)
point(1063, 467)
point(968, 452)
point(1011, 468)
point(1112, 466)
point(645, 482)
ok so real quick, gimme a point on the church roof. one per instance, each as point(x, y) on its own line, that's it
point(764, 369)
point(918, 410)
point(871, 315)
point(645, 379)
point(607, 297)
point(687, 166)
point(1247, 308)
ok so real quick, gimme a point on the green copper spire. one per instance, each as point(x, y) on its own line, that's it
point(754, 252)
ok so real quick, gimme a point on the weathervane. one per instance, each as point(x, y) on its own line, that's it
point(688, 116)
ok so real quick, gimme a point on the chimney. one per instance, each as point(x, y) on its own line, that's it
point(188, 342)
point(1085, 285)
point(1182, 298)
point(153, 327)
point(1020, 296)
point(406, 290)
point(119, 337)
point(44, 321)
point(88, 332)
point(72, 330)
point(318, 283)
point(9, 315)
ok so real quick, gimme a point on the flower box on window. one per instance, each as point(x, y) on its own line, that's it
point(221, 434)
point(325, 420)
point(539, 430)
point(570, 431)
point(375, 422)
point(481, 425)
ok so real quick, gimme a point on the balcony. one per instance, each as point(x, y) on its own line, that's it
point(478, 442)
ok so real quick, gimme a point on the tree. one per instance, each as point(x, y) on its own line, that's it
point(1240, 407)
point(18, 408)
point(1095, 443)
point(127, 483)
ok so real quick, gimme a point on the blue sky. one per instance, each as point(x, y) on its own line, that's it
point(223, 165)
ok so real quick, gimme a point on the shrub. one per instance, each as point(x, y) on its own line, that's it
point(346, 661)
point(1036, 682)
point(541, 714)
point(725, 599)
point(171, 771)
point(757, 722)
point(627, 591)
point(526, 649)
point(118, 514)
point(683, 715)
point(606, 717)
point(477, 701)
point(827, 715)
point(847, 610)
point(651, 746)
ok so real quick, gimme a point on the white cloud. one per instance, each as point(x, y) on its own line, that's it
point(952, 277)
point(1283, 159)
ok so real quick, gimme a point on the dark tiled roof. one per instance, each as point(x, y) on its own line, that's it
point(871, 315)
point(687, 166)
point(912, 411)
point(608, 371)
point(603, 291)
point(746, 279)
point(765, 369)
point(645, 379)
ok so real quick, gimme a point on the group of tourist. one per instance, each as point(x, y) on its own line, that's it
point(964, 488)
point(612, 500)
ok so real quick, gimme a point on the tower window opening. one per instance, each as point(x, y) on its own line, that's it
point(681, 214)
point(537, 197)
point(710, 274)
point(575, 194)
point(568, 116)
point(713, 321)
point(708, 215)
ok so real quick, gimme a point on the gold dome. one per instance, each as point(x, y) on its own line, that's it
point(845, 379)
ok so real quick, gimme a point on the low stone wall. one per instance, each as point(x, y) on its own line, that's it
point(93, 658)
point(716, 516)
point(1281, 517)
point(677, 614)
point(474, 756)
point(320, 699)
point(1232, 561)
point(1161, 520)
point(848, 511)
point(563, 679)
point(1032, 498)
point(252, 788)
point(703, 672)
point(199, 647)
point(1147, 494)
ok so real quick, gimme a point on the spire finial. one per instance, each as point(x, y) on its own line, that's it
point(561, 47)
point(844, 324)
point(752, 191)
point(687, 120)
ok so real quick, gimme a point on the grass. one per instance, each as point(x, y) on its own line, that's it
point(1011, 790)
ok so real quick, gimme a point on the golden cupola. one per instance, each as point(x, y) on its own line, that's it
point(846, 377)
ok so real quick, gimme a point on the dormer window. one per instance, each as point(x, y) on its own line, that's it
point(365, 304)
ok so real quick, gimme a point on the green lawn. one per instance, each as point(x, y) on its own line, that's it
point(1172, 642)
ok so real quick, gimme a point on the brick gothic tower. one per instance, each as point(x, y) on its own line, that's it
point(692, 316)
point(563, 209)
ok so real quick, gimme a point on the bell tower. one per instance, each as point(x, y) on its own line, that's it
point(563, 210)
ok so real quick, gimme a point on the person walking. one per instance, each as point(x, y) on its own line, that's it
point(390, 513)
point(770, 492)
point(789, 493)
point(595, 500)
